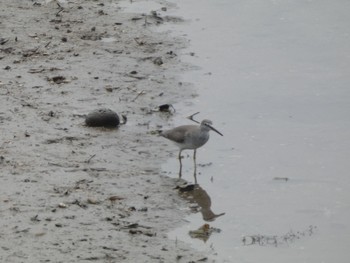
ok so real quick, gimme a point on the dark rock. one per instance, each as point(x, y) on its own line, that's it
point(166, 108)
point(102, 118)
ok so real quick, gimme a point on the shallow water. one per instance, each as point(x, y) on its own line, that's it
point(274, 78)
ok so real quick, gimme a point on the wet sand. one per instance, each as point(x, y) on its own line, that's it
point(70, 193)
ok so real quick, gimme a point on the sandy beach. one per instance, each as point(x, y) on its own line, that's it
point(71, 193)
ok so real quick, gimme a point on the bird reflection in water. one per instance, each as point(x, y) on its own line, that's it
point(196, 194)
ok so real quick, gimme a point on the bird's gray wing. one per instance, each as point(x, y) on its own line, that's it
point(177, 134)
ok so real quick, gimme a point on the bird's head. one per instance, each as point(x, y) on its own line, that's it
point(207, 124)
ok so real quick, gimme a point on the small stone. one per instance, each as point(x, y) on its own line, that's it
point(158, 61)
point(62, 205)
point(92, 201)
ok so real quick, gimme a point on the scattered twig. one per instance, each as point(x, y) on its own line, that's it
point(57, 14)
point(31, 52)
point(88, 160)
point(140, 43)
point(136, 18)
point(138, 95)
point(136, 77)
point(191, 117)
point(34, 70)
point(3, 41)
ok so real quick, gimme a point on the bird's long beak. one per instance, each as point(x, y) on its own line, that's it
point(215, 130)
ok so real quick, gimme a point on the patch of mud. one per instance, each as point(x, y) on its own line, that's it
point(69, 192)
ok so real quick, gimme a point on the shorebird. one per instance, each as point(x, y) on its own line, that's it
point(190, 137)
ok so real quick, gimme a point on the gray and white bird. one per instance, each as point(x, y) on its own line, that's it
point(190, 137)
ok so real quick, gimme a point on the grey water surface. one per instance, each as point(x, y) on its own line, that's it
point(274, 77)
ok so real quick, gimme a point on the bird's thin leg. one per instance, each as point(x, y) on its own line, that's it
point(180, 172)
point(195, 166)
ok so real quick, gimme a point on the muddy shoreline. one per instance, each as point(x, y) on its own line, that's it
point(71, 193)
